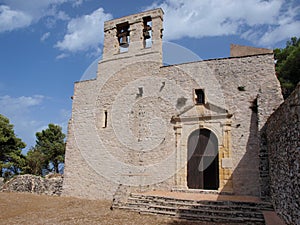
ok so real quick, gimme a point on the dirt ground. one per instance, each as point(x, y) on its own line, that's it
point(25, 208)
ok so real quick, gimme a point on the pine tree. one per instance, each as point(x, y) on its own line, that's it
point(51, 143)
point(12, 160)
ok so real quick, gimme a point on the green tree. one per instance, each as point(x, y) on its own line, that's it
point(51, 143)
point(288, 65)
point(35, 162)
point(12, 160)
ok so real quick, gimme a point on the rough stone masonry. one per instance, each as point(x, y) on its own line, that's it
point(147, 125)
point(50, 185)
point(282, 141)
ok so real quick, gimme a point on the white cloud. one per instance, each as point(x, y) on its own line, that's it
point(16, 14)
point(273, 35)
point(62, 56)
point(19, 110)
point(36, 8)
point(84, 33)
point(13, 19)
point(20, 104)
point(45, 36)
point(248, 18)
point(24, 113)
point(61, 15)
point(77, 3)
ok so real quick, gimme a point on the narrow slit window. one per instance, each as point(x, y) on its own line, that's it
point(104, 125)
point(199, 96)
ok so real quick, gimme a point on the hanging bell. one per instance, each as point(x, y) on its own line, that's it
point(124, 41)
point(147, 34)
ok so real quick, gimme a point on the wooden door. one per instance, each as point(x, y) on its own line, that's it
point(203, 160)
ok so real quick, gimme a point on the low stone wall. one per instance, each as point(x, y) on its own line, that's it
point(34, 184)
point(282, 132)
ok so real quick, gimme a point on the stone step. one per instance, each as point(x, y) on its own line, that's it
point(210, 218)
point(197, 217)
point(159, 199)
point(196, 205)
point(256, 214)
point(199, 210)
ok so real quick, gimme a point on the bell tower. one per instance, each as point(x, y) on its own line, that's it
point(134, 35)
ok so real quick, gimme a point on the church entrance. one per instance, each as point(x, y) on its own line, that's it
point(203, 160)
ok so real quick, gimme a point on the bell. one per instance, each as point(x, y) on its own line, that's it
point(124, 41)
point(147, 34)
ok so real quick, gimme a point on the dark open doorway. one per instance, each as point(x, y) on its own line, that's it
point(203, 160)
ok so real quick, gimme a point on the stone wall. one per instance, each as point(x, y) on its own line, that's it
point(282, 138)
point(239, 50)
point(142, 98)
point(122, 129)
point(237, 85)
point(34, 184)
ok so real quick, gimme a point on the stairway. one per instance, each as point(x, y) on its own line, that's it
point(241, 212)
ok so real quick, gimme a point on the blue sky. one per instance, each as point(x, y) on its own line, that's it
point(46, 45)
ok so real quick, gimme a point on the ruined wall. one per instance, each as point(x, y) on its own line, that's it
point(34, 184)
point(282, 138)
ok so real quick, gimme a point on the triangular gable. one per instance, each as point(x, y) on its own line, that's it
point(205, 111)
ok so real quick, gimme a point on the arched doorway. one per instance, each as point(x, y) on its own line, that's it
point(203, 160)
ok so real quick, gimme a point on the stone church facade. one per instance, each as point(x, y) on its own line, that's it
point(149, 126)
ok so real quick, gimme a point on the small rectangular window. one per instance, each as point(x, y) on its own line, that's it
point(199, 96)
